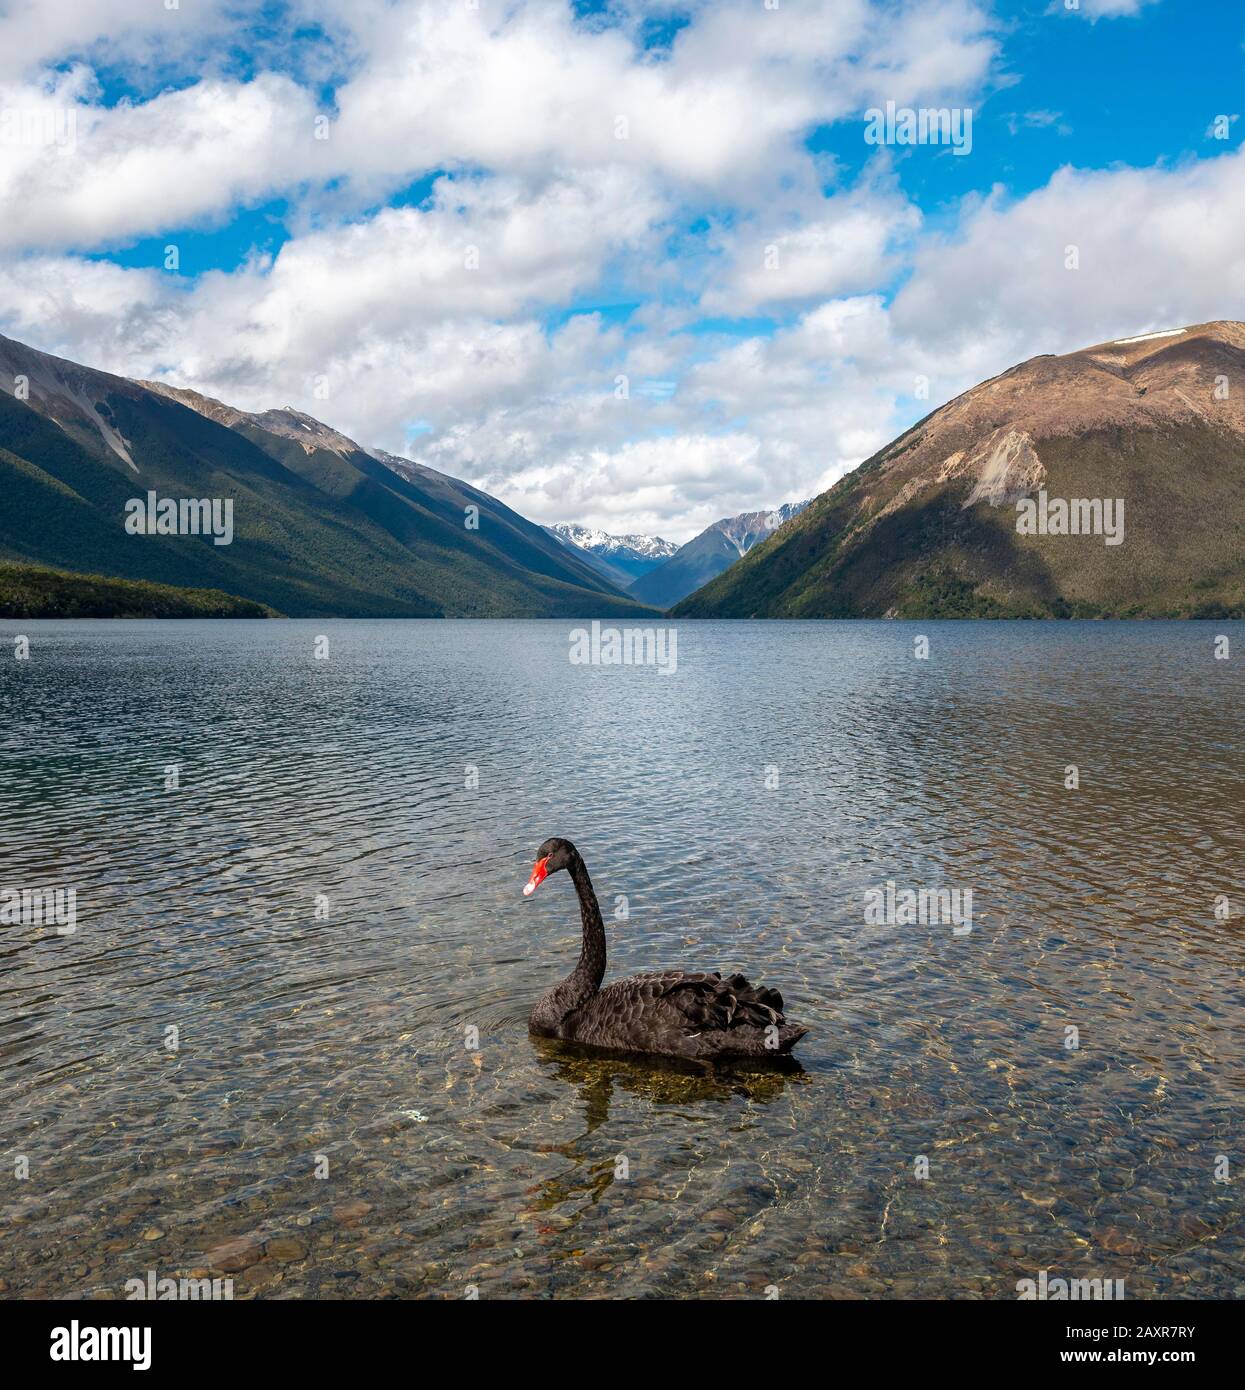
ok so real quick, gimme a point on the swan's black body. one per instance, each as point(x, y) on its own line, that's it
point(674, 1013)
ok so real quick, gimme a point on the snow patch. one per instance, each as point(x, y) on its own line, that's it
point(1147, 337)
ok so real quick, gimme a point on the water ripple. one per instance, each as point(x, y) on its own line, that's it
point(327, 912)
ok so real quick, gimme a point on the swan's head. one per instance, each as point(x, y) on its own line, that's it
point(553, 855)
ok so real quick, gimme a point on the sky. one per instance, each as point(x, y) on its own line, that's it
point(633, 265)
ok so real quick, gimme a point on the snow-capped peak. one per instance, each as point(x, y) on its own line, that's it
point(747, 529)
point(603, 544)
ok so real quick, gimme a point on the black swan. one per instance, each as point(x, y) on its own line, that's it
point(673, 1013)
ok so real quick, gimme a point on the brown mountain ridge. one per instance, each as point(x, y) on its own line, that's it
point(1153, 425)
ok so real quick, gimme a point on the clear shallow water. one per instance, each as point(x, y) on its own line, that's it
point(343, 1039)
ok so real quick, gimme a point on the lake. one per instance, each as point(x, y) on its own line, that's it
point(287, 1038)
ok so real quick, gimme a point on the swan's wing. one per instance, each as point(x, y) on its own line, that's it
point(676, 1010)
point(702, 1000)
point(708, 1001)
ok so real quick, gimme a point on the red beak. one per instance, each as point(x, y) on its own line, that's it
point(539, 874)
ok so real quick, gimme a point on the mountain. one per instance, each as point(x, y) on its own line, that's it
point(322, 526)
point(708, 554)
point(621, 559)
point(928, 527)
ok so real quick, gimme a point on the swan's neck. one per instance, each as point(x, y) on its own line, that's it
point(591, 968)
point(584, 981)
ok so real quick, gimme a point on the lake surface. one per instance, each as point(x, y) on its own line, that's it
point(743, 805)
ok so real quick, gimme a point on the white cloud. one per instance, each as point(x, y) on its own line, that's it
point(76, 174)
point(1036, 120)
point(408, 314)
point(1156, 247)
point(434, 84)
point(1105, 9)
point(813, 400)
point(828, 247)
point(138, 32)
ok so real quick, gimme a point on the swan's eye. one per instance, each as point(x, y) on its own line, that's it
point(540, 872)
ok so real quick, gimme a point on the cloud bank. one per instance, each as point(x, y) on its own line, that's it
point(615, 273)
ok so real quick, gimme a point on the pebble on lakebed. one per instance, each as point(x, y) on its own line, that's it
point(285, 1248)
point(231, 1256)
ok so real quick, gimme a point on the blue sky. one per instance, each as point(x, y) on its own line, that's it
point(697, 288)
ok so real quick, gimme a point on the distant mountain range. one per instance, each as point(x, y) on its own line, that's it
point(1109, 482)
point(322, 526)
point(707, 555)
point(1106, 482)
point(620, 559)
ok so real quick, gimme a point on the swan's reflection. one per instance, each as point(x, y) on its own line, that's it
point(659, 1080)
